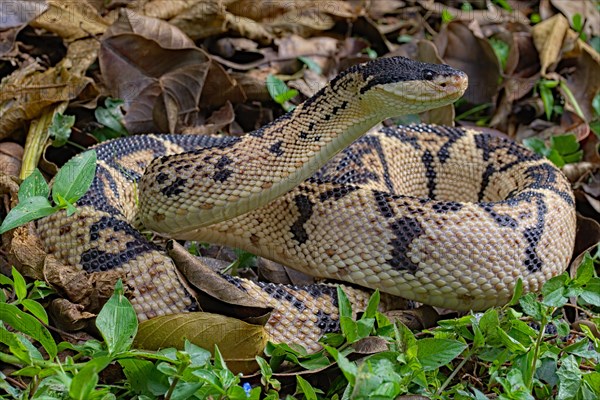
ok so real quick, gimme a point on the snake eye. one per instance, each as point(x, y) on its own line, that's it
point(428, 75)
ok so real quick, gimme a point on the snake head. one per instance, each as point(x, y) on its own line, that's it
point(398, 85)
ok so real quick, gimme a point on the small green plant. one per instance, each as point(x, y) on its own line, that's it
point(71, 182)
point(595, 122)
point(280, 92)
point(60, 129)
point(503, 4)
point(111, 118)
point(578, 24)
point(447, 16)
point(563, 149)
point(502, 50)
point(523, 351)
point(546, 87)
point(311, 64)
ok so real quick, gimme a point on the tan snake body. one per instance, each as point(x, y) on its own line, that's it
point(446, 216)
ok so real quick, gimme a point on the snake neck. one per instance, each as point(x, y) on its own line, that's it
point(184, 192)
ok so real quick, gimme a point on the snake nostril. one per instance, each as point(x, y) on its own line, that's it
point(443, 84)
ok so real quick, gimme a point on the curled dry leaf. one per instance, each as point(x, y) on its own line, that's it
point(238, 341)
point(214, 293)
point(586, 9)
point(25, 251)
point(420, 318)
point(371, 345)
point(585, 82)
point(69, 316)
point(10, 158)
point(89, 290)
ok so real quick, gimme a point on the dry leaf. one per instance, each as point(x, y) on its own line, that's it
point(548, 38)
point(215, 293)
point(25, 251)
point(68, 316)
point(71, 20)
point(10, 158)
point(238, 341)
point(462, 49)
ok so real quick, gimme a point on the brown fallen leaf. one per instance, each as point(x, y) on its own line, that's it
point(461, 48)
point(420, 318)
point(588, 236)
point(158, 95)
point(69, 316)
point(371, 345)
point(238, 341)
point(88, 290)
point(215, 293)
point(24, 251)
point(71, 20)
point(28, 91)
point(11, 155)
point(548, 38)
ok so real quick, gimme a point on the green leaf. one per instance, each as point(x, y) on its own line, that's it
point(111, 117)
point(60, 129)
point(137, 372)
point(20, 285)
point(85, 381)
point(117, 322)
point(569, 378)
point(434, 353)
point(279, 91)
point(311, 64)
point(371, 309)
point(565, 144)
point(517, 293)
point(502, 50)
point(547, 100)
point(15, 345)
point(596, 100)
point(30, 209)
point(447, 16)
point(349, 369)
point(36, 309)
point(306, 388)
point(75, 177)
point(577, 22)
point(585, 271)
point(34, 185)
point(28, 325)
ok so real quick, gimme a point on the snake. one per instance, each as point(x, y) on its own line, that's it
point(446, 216)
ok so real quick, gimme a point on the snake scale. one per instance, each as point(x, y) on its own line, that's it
point(446, 216)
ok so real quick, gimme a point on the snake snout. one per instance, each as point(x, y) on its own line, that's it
point(455, 84)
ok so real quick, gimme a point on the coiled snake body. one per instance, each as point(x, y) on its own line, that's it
point(446, 216)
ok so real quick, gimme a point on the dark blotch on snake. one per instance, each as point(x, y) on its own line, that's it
point(174, 188)
point(337, 192)
point(405, 230)
point(305, 209)
point(276, 148)
point(430, 173)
